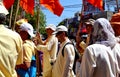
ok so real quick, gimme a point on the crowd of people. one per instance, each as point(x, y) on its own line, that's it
point(100, 50)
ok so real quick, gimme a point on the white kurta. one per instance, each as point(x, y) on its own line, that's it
point(49, 54)
point(97, 61)
point(63, 65)
point(116, 51)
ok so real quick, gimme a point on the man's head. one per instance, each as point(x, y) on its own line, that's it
point(26, 30)
point(50, 29)
point(103, 33)
point(3, 13)
point(51, 26)
point(89, 23)
point(115, 22)
point(61, 32)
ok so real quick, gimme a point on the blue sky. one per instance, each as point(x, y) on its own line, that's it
point(71, 7)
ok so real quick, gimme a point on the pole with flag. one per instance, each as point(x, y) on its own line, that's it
point(38, 17)
point(37, 29)
point(80, 25)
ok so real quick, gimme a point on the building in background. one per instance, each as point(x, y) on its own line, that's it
point(89, 11)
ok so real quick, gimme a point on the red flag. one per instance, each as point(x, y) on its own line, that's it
point(8, 3)
point(53, 5)
point(28, 6)
point(97, 3)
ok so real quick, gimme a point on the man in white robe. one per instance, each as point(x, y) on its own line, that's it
point(98, 59)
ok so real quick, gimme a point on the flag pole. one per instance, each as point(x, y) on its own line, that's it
point(80, 17)
point(38, 17)
point(37, 29)
point(79, 27)
point(13, 28)
point(11, 12)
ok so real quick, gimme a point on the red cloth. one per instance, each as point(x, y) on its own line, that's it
point(115, 18)
point(53, 5)
point(8, 3)
point(28, 6)
point(96, 3)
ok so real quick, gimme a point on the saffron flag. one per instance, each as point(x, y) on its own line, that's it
point(8, 3)
point(97, 3)
point(53, 5)
point(28, 6)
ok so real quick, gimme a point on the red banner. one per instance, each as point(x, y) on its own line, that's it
point(89, 8)
point(8, 3)
point(28, 6)
point(53, 5)
point(96, 3)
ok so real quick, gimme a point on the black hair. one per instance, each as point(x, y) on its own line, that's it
point(2, 18)
point(66, 33)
